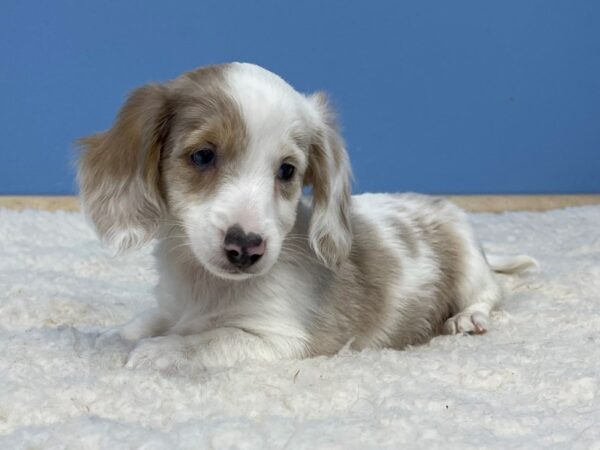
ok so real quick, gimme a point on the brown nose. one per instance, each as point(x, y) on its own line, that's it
point(243, 250)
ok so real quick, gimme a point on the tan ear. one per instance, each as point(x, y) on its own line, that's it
point(329, 174)
point(118, 171)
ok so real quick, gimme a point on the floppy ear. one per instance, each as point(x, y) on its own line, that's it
point(118, 171)
point(329, 174)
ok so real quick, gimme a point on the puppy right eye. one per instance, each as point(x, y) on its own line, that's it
point(286, 172)
point(205, 157)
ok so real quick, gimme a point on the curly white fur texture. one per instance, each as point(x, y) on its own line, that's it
point(530, 382)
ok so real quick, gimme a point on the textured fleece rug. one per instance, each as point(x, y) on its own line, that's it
point(533, 381)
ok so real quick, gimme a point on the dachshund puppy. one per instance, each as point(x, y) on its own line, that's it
point(213, 165)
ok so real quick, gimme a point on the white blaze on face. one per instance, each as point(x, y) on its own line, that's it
point(250, 197)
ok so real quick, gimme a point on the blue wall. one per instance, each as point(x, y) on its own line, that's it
point(435, 96)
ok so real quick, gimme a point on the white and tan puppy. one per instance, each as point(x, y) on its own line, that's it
point(213, 165)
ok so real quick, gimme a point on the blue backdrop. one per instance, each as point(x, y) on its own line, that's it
point(434, 96)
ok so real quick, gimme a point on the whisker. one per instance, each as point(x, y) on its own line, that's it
point(185, 244)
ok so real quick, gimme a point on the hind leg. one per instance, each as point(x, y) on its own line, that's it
point(478, 298)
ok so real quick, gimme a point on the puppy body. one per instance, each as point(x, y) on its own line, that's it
point(375, 270)
point(414, 263)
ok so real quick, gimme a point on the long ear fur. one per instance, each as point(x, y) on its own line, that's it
point(118, 171)
point(329, 174)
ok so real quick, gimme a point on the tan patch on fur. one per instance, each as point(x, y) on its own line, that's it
point(123, 171)
point(327, 168)
point(289, 189)
point(206, 117)
point(424, 316)
point(357, 295)
point(359, 298)
point(119, 169)
point(407, 237)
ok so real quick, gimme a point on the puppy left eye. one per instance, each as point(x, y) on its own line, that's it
point(203, 157)
point(286, 172)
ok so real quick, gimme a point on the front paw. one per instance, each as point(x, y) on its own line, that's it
point(167, 354)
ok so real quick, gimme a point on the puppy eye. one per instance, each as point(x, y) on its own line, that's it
point(286, 172)
point(204, 157)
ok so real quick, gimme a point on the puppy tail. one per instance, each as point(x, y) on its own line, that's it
point(510, 264)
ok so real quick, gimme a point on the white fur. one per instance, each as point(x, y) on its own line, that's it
point(210, 316)
point(277, 308)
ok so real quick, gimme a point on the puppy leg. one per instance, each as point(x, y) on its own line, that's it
point(221, 347)
point(148, 324)
point(480, 295)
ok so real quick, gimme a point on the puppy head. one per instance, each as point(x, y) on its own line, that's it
point(225, 152)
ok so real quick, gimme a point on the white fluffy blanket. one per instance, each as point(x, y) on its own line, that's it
point(533, 381)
